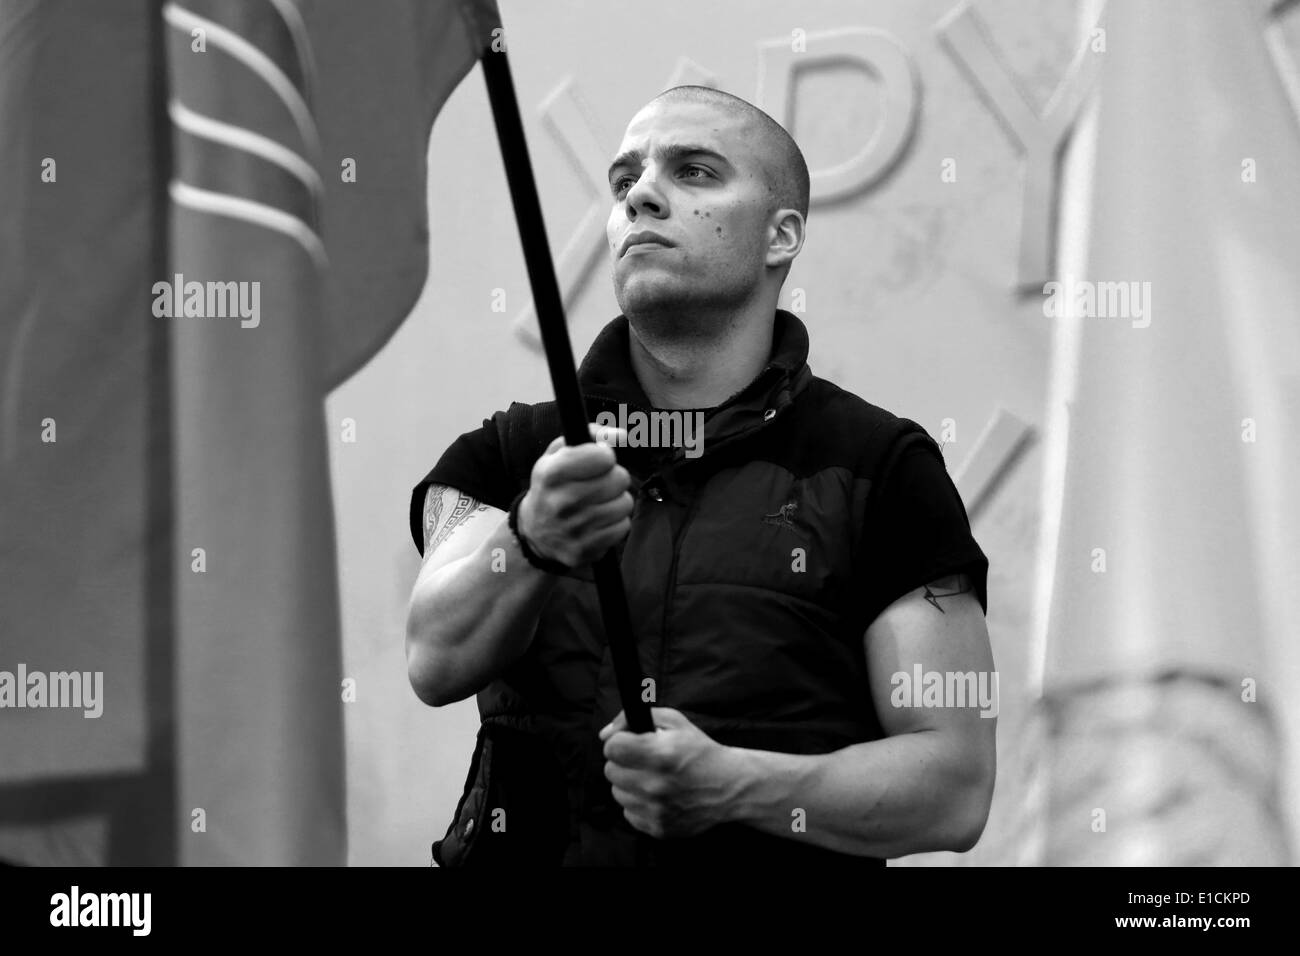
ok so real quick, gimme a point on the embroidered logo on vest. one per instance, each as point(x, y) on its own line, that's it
point(784, 517)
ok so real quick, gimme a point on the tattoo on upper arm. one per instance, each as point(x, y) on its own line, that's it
point(947, 587)
point(438, 528)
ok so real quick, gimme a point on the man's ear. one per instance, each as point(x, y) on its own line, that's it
point(785, 237)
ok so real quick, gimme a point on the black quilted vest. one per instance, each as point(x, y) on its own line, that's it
point(743, 571)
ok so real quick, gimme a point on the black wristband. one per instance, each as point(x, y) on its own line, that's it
point(533, 558)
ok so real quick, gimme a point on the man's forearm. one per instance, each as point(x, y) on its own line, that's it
point(472, 617)
point(903, 794)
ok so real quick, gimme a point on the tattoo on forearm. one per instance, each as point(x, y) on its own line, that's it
point(961, 584)
point(437, 530)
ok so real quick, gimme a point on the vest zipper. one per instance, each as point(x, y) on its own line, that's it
point(668, 599)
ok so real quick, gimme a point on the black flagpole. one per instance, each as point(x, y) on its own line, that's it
point(559, 358)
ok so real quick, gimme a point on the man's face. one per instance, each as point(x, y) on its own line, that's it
point(689, 174)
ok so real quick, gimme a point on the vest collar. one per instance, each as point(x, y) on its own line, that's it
point(606, 372)
point(607, 379)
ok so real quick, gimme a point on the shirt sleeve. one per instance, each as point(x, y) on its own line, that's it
point(922, 532)
point(473, 464)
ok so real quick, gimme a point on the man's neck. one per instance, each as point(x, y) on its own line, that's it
point(703, 369)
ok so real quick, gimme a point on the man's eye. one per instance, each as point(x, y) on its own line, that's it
point(622, 183)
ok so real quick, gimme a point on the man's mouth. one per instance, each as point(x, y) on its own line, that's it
point(644, 240)
point(642, 246)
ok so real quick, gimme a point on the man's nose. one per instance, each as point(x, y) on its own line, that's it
point(646, 197)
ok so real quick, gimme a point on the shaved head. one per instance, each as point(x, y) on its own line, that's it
point(709, 200)
point(778, 154)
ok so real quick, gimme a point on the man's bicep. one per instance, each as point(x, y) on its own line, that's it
point(929, 662)
point(455, 524)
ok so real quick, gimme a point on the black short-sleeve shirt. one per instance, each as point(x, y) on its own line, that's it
point(922, 533)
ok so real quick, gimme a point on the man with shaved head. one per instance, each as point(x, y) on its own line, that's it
point(806, 595)
point(738, 222)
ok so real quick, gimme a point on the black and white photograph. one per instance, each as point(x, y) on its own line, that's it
point(695, 435)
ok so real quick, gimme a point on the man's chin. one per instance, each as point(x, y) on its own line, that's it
point(644, 296)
